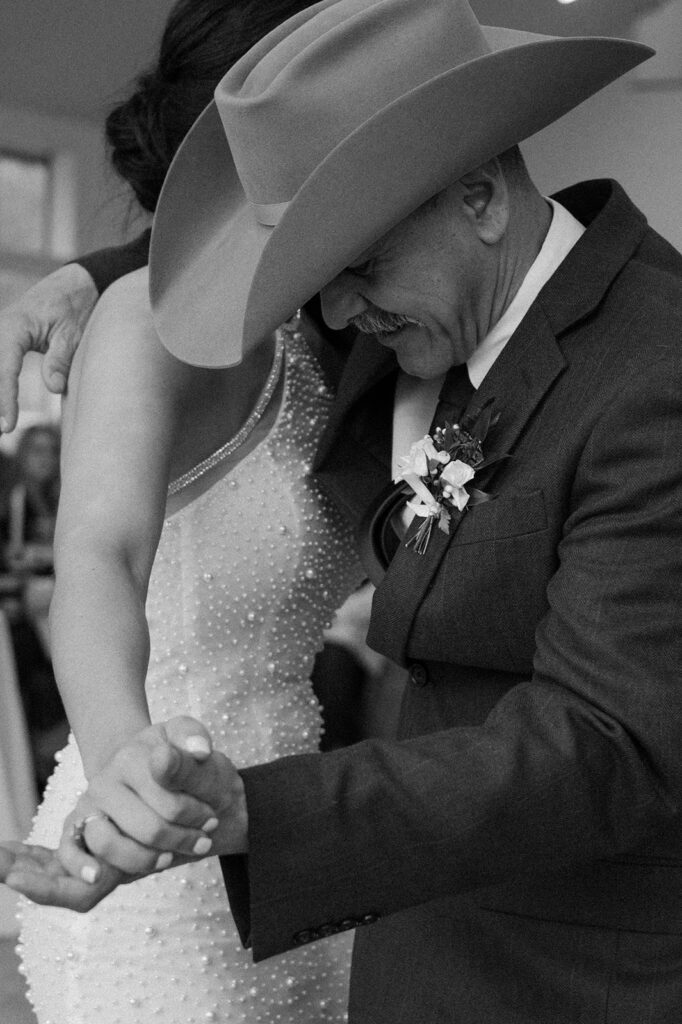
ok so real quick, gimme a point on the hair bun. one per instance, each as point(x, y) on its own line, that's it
point(137, 137)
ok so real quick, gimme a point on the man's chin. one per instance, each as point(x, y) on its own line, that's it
point(414, 352)
point(409, 336)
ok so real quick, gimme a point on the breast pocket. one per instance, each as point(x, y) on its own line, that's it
point(506, 516)
point(490, 589)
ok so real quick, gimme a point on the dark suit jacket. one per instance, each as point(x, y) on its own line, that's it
point(538, 773)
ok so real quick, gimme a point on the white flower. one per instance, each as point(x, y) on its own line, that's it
point(420, 489)
point(453, 477)
point(417, 462)
point(427, 446)
point(432, 509)
point(458, 496)
point(457, 473)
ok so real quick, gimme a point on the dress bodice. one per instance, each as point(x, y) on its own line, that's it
point(246, 578)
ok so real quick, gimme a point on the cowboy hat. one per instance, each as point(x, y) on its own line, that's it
point(333, 128)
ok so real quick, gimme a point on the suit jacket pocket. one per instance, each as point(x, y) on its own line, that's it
point(509, 515)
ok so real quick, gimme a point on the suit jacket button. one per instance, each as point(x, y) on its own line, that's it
point(348, 923)
point(419, 675)
point(369, 918)
point(327, 929)
point(301, 938)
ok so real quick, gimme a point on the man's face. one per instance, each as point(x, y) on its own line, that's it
point(428, 274)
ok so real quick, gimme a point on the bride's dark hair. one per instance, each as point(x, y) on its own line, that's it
point(201, 41)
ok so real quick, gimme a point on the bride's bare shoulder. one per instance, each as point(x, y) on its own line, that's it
point(126, 301)
point(120, 342)
point(121, 328)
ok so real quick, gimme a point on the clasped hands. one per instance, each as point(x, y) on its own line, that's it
point(165, 798)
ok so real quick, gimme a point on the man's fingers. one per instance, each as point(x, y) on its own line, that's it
point(58, 359)
point(218, 783)
point(11, 358)
point(50, 317)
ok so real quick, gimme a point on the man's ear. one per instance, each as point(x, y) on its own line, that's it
point(485, 196)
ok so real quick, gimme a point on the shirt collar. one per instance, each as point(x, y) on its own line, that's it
point(564, 231)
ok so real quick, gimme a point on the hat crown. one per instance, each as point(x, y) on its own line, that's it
point(315, 79)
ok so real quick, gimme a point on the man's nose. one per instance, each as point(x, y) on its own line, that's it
point(341, 301)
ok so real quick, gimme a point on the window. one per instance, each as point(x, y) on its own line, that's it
point(25, 203)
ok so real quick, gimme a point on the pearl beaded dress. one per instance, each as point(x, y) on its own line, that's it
point(246, 577)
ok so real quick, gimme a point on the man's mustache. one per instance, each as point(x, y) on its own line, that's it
point(375, 320)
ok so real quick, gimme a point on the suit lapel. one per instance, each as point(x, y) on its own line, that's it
point(517, 382)
point(532, 359)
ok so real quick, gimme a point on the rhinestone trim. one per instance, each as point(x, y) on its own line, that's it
point(240, 437)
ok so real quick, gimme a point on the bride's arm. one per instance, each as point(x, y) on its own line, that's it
point(120, 422)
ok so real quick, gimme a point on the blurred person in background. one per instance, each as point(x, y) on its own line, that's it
point(8, 477)
point(29, 525)
point(32, 502)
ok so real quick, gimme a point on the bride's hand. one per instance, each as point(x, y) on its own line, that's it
point(37, 873)
point(128, 820)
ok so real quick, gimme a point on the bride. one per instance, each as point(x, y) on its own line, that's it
point(251, 564)
point(223, 625)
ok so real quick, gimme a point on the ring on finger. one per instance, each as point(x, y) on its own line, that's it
point(78, 828)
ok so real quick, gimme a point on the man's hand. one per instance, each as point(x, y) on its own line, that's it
point(49, 318)
point(165, 798)
point(212, 778)
point(38, 874)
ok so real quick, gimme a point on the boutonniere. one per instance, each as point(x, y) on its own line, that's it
point(441, 468)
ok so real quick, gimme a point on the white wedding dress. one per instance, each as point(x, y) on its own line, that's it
point(246, 578)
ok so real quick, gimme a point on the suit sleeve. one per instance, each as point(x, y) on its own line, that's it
point(580, 762)
point(107, 265)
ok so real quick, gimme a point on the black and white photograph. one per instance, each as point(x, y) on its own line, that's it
point(341, 512)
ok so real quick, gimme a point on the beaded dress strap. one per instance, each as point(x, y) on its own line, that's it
point(243, 433)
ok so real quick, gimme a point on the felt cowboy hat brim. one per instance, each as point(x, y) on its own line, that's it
point(221, 280)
